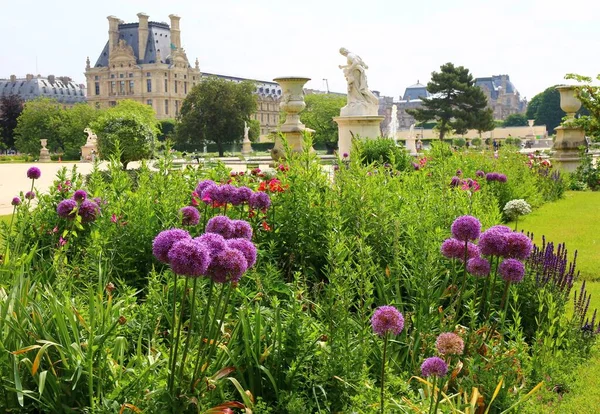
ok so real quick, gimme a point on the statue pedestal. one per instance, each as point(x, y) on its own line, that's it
point(364, 126)
point(567, 143)
point(246, 147)
point(44, 155)
point(89, 152)
point(411, 146)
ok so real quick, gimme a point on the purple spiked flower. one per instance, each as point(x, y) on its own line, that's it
point(518, 246)
point(511, 270)
point(502, 178)
point(259, 201)
point(207, 193)
point(434, 366)
point(246, 247)
point(478, 266)
point(479, 173)
point(242, 195)
point(492, 242)
point(66, 209)
point(30, 195)
point(164, 241)
point(466, 228)
point(220, 225)
point(79, 195)
point(387, 319)
point(453, 249)
point(215, 242)
point(34, 173)
point(189, 257)
point(241, 229)
point(227, 266)
point(491, 176)
point(15, 201)
point(189, 216)
point(501, 228)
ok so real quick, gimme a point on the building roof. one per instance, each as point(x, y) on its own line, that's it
point(265, 88)
point(416, 91)
point(60, 88)
point(495, 84)
point(159, 42)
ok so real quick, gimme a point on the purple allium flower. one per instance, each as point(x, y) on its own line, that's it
point(79, 195)
point(453, 249)
point(34, 173)
point(459, 172)
point(502, 178)
point(518, 246)
point(479, 173)
point(491, 176)
point(246, 247)
point(189, 216)
point(207, 193)
point(478, 266)
point(466, 228)
point(30, 195)
point(88, 210)
point(449, 343)
point(220, 225)
point(215, 242)
point(227, 266)
point(501, 228)
point(345, 155)
point(66, 209)
point(202, 185)
point(189, 257)
point(336, 167)
point(100, 201)
point(511, 270)
point(164, 241)
point(260, 201)
point(434, 366)
point(241, 230)
point(240, 196)
point(492, 242)
point(15, 201)
point(387, 319)
point(223, 194)
point(416, 166)
point(455, 181)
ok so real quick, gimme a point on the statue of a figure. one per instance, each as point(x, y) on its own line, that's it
point(411, 131)
point(358, 90)
point(246, 131)
point(92, 138)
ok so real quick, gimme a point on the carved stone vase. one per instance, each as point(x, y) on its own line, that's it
point(44, 153)
point(568, 137)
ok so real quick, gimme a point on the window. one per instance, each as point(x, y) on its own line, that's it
point(176, 107)
point(96, 77)
point(148, 85)
point(97, 86)
point(193, 78)
point(165, 74)
point(131, 86)
point(122, 87)
point(112, 75)
point(175, 86)
point(112, 86)
point(166, 85)
point(184, 76)
point(148, 74)
point(175, 76)
point(185, 87)
point(131, 75)
point(112, 103)
point(121, 75)
point(149, 102)
point(166, 107)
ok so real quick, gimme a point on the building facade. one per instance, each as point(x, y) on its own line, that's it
point(59, 88)
point(502, 96)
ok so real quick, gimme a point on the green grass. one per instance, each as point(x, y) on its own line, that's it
point(574, 220)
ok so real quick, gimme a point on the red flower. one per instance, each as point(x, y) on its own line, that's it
point(266, 226)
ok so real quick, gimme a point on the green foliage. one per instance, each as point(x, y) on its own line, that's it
point(476, 142)
point(457, 104)
point(383, 151)
point(545, 109)
point(515, 120)
point(11, 107)
point(587, 174)
point(459, 142)
point(167, 129)
point(41, 118)
point(254, 133)
point(589, 96)
point(128, 130)
point(515, 142)
point(73, 122)
point(215, 111)
point(319, 113)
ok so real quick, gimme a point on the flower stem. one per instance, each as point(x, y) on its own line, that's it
point(464, 281)
point(181, 308)
point(202, 331)
point(191, 327)
point(172, 336)
point(437, 398)
point(432, 393)
point(385, 342)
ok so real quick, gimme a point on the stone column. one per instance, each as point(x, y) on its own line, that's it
point(175, 32)
point(361, 126)
point(568, 138)
point(142, 34)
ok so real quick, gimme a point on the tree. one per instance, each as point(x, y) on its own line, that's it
point(131, 127)
point(515, 120)
point(318, 115)
point(167, 129)
point(547, 109)
point(457, 104)
point(215, 111)
point(11, 106)
point(73, 122)
point(254, 133)
point(41, 119)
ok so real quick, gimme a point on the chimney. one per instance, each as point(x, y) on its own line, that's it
point(29, 76)
point(142, 35)
point(175, 33)
point(51, 78)
point(13, 78)
point(113, 33)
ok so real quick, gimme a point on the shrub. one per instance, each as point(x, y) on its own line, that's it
point(383, 151)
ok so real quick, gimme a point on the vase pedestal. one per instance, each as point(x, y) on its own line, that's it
point(359, 126)
point(568, 140)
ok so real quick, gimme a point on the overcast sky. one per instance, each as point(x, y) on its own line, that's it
point(535, 42)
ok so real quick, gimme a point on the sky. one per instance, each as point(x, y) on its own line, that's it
point(535, 42)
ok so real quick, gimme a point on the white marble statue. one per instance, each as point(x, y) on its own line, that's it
point(92, 139)
point(361, 100)
point(411, 142)
point(246, 131)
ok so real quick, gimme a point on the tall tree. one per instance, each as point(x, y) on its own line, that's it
point(515, 120)
point(215, 111)
point(11, 107)
point(545, 109)
point(73, 122)
point(132, 125)
point(456, 103)
point(318, 115)
point(41, 119)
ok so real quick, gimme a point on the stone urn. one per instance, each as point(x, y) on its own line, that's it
point(568, 101)
point(568, 137)
point(292, 103)
point(44, 153)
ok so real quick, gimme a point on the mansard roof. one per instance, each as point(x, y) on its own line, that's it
point(60, 88)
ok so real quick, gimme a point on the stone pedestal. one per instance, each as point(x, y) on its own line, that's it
point(44, 153)
point(89, 152)
point(568, 138)
point(363, 126)
point(246, 147)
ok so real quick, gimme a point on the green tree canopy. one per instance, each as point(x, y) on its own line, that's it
point(11, 107)
point(215, 111)
point(589, 114)
point(456, 103)
point(73, 122)
point(254, 133)
point(545, 109)
point(132, 125)
point(515, 120)
point(318, 115)
point(41, 119)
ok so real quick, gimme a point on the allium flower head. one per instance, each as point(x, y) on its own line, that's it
point(241, 229)
point(453, 249)
point(89, 211)
point(478, 266)
point(511, 270)
point(164, 241)
point(227, 266)
point(30, 195)
point(455, 181)
point(207, 193)
point(226, 194)
point(518, 246)
point(459, 172)
point(466, 228)
point(387, 319)
point(215, 242)
point(502, 178)
point(242, 195)
point(449, 343)
point(34, 173)
point(515, 208)
point(202, 185)
point(492, 242)
point(491, 176)
point(479, 173)
point(79, 195)
point(189, 257)
point(259, 201)
point(434, 366)
point(246, 247)
point(501, 228)
point(220, 225)
point(15, 201)
point(66, 209)
point(189, 216)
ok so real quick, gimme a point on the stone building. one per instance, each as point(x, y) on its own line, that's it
point(60, 88)
point(502, 96)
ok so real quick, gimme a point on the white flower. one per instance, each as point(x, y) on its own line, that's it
point(517, 207)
